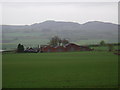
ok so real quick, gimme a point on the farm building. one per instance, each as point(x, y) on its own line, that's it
point(60, 49)
point(47, 49)
point(31, 50)
point(74, 47)
point(67, 48)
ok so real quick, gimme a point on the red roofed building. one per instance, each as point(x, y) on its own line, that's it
point(67, 48)
point(60, 49)
point(72, 47)
point(47, 49)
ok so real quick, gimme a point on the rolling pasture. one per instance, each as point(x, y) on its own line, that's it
point(90, 69)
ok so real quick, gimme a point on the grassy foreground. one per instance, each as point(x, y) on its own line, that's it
point(60, 70)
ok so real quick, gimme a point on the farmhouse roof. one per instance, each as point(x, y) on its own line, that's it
point(71, 44)
point(59, 47)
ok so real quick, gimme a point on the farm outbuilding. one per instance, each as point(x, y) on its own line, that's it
point(46, 49)
point(67, 48)
point(72, 47)
point(31, 50)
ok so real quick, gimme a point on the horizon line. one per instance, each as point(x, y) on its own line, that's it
point(59, 21)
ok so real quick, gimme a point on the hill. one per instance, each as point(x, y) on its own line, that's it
point(40, 33)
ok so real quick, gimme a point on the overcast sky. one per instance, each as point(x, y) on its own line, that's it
point(26, 13)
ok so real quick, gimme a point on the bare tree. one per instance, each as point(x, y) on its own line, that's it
point(64, 42)
point(56, 41)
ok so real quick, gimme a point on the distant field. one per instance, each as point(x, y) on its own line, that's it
point(60, 70)
point(105, 48)
point(26, 42)
point(88, 42)
point(94, 41)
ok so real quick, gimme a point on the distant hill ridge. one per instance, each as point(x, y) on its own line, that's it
point(72, 30)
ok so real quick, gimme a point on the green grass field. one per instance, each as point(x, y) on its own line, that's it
point(105, 48)
point(60, 70)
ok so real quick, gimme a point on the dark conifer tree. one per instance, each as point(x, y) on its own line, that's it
point(20, 48)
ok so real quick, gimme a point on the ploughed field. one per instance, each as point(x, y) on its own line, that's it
point(90, 69)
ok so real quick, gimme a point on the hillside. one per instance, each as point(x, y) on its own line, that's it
point(40, 33)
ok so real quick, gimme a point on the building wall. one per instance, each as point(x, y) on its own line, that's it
point(60, 49)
